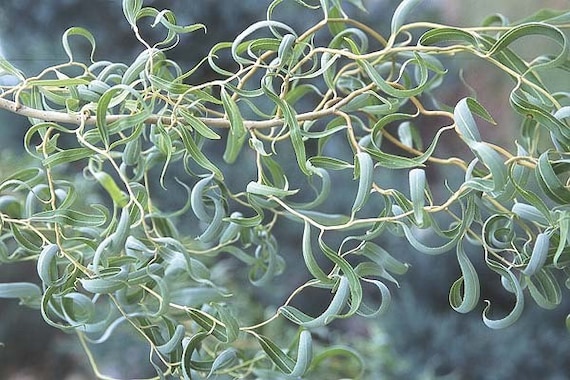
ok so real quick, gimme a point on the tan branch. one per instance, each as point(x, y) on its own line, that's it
point(75, 118)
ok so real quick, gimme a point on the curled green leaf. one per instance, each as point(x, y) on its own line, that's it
point(538, 255)
point(333, 310)
point(417, 180)
point(46, 264)
point(401, 13)
point(364, 171)
point(468, 284)
point(28, 293)
point(517, 310)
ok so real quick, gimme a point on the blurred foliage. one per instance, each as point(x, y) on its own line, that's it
point(199, 276)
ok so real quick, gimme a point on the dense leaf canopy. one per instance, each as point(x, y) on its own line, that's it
point(298, 113)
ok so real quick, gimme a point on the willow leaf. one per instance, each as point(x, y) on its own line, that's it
point(417, 182)
point(468, 284)
point(333, 310)
point(226, 358)
point(517, 310)
point(401, 13)
point(364, 171)
point(47, 265)
point(530, 29)
point(196, 154)
point(110, 280)
point(275, 354)
point(76, 31)
point(544, 289)
point(538, 255)
point(549, 182)
point(310, 261)
point(197, 124)
point(28, 293)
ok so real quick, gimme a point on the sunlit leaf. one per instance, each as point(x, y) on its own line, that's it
point(364, 171)
point(517, 310)
point(538, 255)
point(76, 31)
point(401, 13)
point(464, 293)
point(333, 310)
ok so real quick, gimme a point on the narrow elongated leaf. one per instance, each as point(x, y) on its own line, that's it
point(275, 354)
point(494, 162)
point(131, 9)
point(550, 16)
point(118, 196)
point(77, 308)
point(215, 224)
point(448, 35)
point(196, 154)
point(112, 97)
point(333, 311)
point(310, 261)
point(517, 310)
point(6, 68)
point(344, 353)
point(530, 29)
point(270, 24)
point(464, 293)
point(330, 163)
point(188, 364)
point(174, 342)
point(526, 104)
point(123, 230)
point(463, 115)
point(538, 255)
point(417, 180)
point(231, 108)
point(401, 13)
point(394, 161)
point(385, 298)
point(348, 272)
point(67, 156)
point(268, 191)
point(234, 145)
point(28, 293)
point(167, 18)
point(304, 354)
point(549, 182)
point(230, 322)
point(110, 280)
point(544, 289)
point(210, 325)
point(67, 217)
point(26, 238)
point(364, 171)
point(197, 201)
point(387, 88)
point(432, 250)
point(76, 31)
point(530, 213)
point(285, 49)
point(290, 117)
point(225, 359)
point(198, 125)
point(46, 265)
point(383, 258)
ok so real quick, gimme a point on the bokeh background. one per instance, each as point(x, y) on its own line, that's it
point(419, 338)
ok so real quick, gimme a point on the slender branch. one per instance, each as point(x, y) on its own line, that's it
point(76, 118)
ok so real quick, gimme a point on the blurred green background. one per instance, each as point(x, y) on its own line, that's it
point(420, 337)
